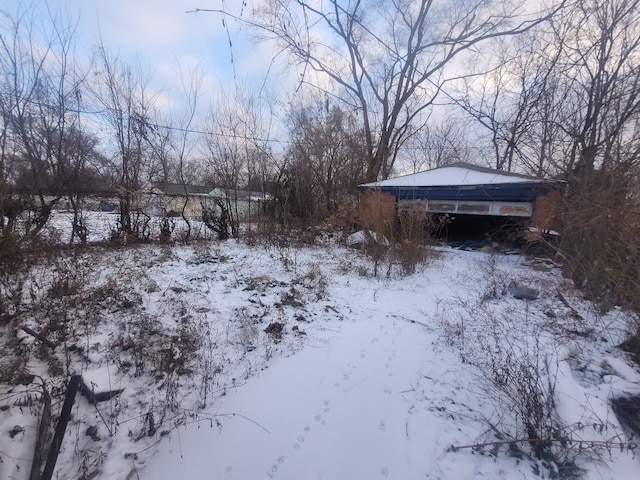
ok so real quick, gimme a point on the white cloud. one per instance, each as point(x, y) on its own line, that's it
point(160, 37)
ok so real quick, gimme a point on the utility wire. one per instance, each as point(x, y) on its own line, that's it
point(235, 136)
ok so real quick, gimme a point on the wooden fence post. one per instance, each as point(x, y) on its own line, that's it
point(41, 435)
point(56, 443)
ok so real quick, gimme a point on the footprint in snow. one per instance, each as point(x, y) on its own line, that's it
point(384, 472)
point(301, 438)
point(383, 426)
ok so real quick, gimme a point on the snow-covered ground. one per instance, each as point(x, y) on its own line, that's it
point(369, 377)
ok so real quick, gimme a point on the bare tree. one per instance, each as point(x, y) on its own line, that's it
point(125, 109)
point(438, 144)
point(40, 101)
point(598, 80)
point(237, 150)
point(567, 98)
point(160, 138)
point(505, 102)
point(389, 59)
point(80, 174)
point(602, 69)
point(226, 141)
point(323, 158)
point(183, 146)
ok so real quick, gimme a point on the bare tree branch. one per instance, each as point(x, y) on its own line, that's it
point(389, 59)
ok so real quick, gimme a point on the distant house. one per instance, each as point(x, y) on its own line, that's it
point(463, 189)
point(169, 199)
point(243, 204)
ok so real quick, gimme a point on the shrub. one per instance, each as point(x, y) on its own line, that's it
point(412, 241)
point(218, 220)
point(405, 245)
point(600, 225)
point(517, 373)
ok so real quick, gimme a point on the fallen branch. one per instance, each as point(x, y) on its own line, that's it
point(581, 443)
point(574, 312)
point(412, 321)
point(40, 337)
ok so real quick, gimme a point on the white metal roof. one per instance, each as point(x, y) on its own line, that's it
point(455, 175)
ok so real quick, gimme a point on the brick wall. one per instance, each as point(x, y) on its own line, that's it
point(545, 210)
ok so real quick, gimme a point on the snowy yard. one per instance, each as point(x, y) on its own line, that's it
point(355, 377)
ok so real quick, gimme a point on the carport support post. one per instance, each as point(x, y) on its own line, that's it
point(56, 443)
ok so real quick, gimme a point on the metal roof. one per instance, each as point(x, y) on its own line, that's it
point(457, 174)
point(463, 181)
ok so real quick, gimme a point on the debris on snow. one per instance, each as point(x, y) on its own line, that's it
point(16, 430)
point(274, 330)
point(101, 385)
point(523, 293)
point(359, 239)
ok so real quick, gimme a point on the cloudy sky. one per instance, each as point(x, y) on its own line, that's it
point(162, 37)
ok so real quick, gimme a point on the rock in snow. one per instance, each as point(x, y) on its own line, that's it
point(523, 293)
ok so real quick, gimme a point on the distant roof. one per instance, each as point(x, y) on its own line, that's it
point(239, 194)
point(457, 174)
point(180, 189)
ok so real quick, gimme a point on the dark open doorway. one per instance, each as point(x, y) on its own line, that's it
point(460, 228)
